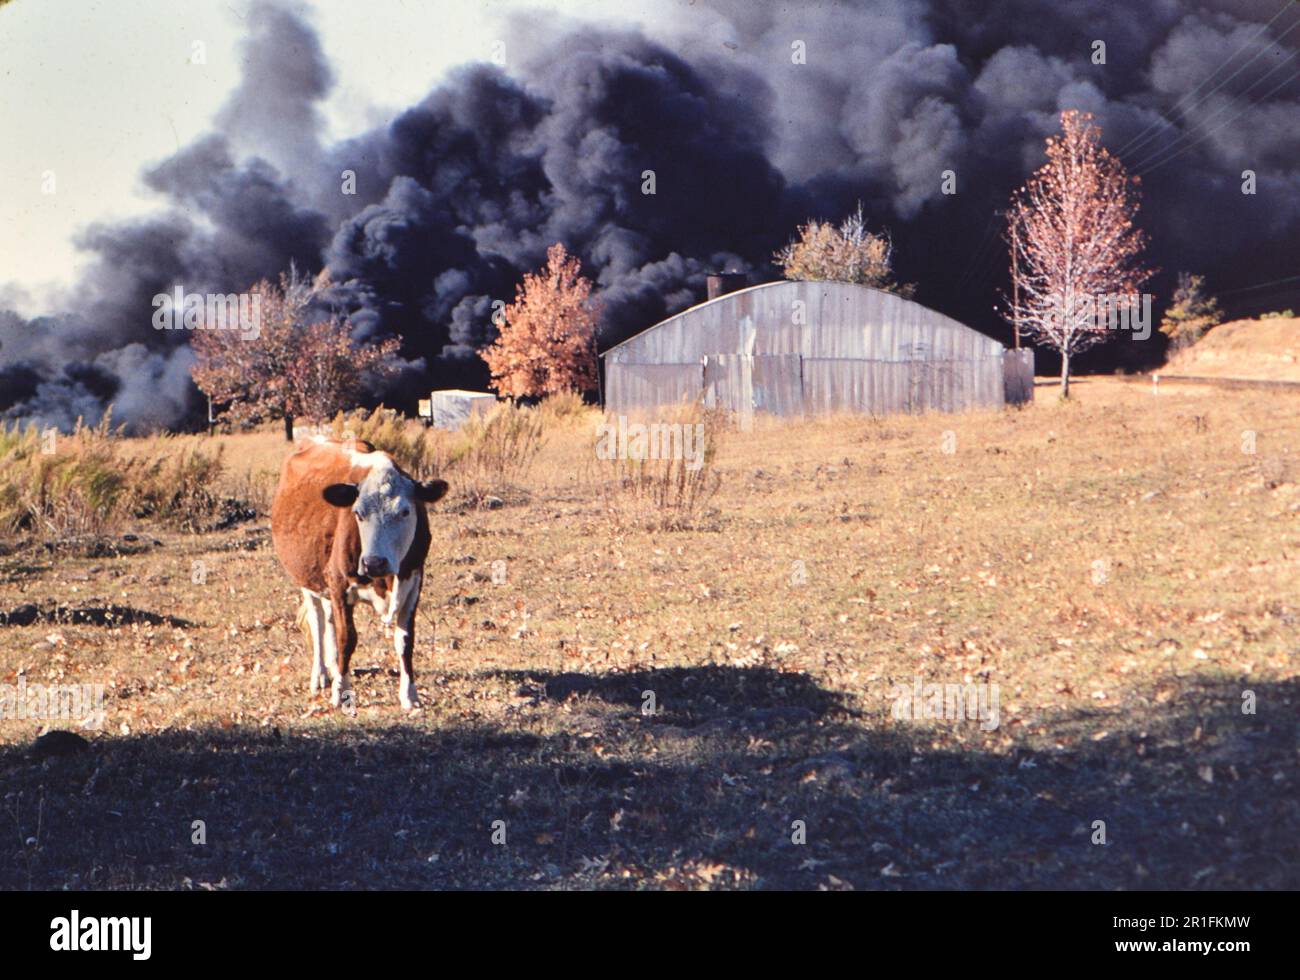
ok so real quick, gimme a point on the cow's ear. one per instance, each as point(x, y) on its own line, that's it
point(431, 490)
point(340, 494)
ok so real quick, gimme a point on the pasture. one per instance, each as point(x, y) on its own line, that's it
point(1125, 568)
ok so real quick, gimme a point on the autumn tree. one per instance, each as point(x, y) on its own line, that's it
point(287, 363)
point(846, 252)
point(1074, 247)
point(1191, 312)
point(547, 337)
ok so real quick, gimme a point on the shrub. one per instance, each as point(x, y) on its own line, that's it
point(421, 451)
point(1191, 312)
point(495, 450)
point(844, 253)
point(668, 491)
point(489, 453)
point(175, 485)
point(564, 408)
point(65, 488)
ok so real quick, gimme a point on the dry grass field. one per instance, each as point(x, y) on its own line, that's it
point(1121, 567)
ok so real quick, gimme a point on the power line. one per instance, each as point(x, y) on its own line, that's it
point(1262, 285)
point(1228, 105)
point(1148, 166)
point(1153, 128)
point(978, 254)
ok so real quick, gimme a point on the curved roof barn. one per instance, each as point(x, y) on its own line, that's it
point(791, 348)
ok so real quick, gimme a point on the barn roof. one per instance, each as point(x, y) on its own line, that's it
point(766, 326)
point(692, 309)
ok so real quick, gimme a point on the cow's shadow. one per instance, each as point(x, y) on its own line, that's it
point(741, 777)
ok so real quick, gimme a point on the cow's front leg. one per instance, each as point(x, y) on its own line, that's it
point(344, 642)
point(406, 596)
point(391, 612)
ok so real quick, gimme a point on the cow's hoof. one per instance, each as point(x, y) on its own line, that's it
point(410, 697)
point(340, 692)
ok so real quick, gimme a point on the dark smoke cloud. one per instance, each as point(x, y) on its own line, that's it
point(461, 193)
point(275, 111)
point(487, 172)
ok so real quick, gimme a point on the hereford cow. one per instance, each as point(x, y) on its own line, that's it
point(349, 524)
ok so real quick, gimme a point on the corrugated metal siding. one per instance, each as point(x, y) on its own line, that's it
point(791, 347)
point(1018, 376)
point(883, 387)
point(778, 384)
point(633, 386)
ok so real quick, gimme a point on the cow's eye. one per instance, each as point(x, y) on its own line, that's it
point(406, 512)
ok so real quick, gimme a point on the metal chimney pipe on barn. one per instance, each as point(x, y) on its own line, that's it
point(721, 283)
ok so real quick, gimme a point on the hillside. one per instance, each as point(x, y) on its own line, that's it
point(1267, 350)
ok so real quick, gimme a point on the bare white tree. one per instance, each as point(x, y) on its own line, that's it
point(1075, 248)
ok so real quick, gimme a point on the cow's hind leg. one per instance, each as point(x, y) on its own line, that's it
point(406, 596)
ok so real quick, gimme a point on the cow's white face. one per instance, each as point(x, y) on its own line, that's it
point(385, 505)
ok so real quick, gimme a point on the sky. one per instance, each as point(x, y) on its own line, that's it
point(93, 91)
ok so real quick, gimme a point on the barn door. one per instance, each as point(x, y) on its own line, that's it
point(778, 383)
point(744, 383)
point(729, 382)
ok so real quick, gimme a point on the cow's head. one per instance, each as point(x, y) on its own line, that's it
point(385, 505)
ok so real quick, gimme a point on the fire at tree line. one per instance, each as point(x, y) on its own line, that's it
point(1076, 275)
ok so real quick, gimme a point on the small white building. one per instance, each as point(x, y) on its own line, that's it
point(450, 408)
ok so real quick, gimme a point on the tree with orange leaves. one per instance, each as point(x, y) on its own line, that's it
point(1075, 249)
point(547, 337)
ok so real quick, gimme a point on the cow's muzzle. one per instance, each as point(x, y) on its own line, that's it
point(374, 567)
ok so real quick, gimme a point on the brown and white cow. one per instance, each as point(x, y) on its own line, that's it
point(349, 524)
